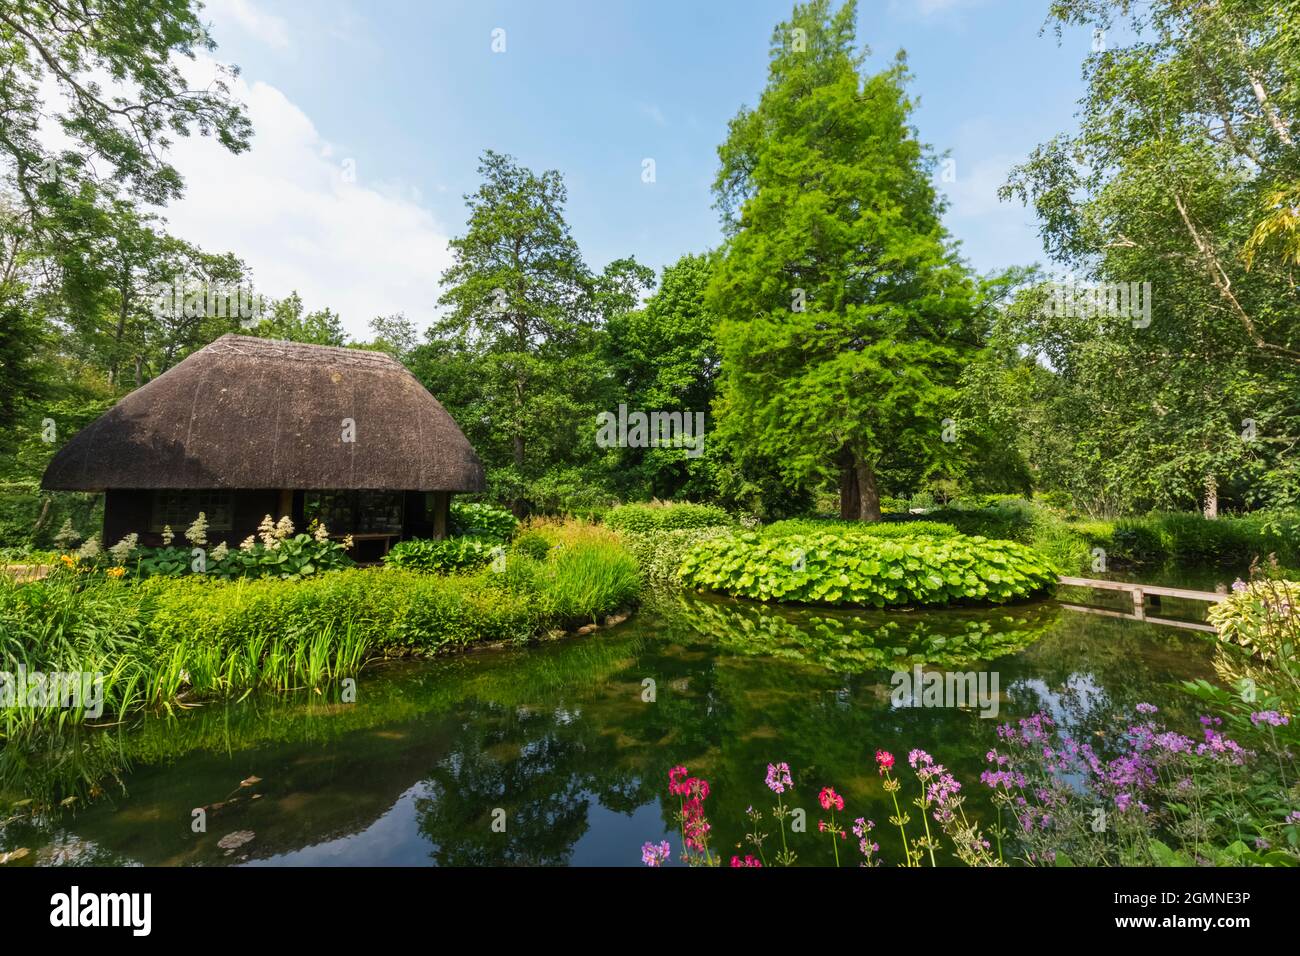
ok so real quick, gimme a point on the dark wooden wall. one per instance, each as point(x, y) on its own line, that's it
point(127, 511)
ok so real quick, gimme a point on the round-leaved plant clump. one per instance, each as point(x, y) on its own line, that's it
point(866, 570)
point(471, 520)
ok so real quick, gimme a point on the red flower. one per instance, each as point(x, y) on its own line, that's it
point(885, 760)
point(829, 798)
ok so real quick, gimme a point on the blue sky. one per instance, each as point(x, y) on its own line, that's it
point(370, 118)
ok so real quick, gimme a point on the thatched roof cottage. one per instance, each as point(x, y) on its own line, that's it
point(248, 427)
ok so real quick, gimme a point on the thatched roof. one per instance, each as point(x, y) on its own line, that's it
point(255, 413)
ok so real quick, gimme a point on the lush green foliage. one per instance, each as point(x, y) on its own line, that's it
point(660, 552)
point(877, 529)
point(1185, 145)
point(278, 554)
point(858, 569)
point(158, 640)
point(665, 516)
point(836, 272)
point(445, 556)
point(485, 521)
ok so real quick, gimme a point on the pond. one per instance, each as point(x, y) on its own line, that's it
point(558, 754)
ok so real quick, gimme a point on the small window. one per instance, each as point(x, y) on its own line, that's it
point(179, 509)
point(356, 512)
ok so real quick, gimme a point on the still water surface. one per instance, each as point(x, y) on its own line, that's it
point(560, 739)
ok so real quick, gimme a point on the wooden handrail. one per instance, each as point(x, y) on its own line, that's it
point(1132, 587)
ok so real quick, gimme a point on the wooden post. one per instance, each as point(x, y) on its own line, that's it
point(1139, 604)
point(441, 512)
point(286, 503)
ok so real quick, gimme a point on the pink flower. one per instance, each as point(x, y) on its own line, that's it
point(884, 760)
point(828, 798)
point(747, 861)
point(675, 784)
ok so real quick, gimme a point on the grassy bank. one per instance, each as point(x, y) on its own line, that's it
point(165, 640)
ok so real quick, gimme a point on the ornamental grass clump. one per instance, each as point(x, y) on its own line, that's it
point(660, 553)
point(867, 570)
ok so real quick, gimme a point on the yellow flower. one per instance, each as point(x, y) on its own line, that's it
point(115, 572)
point(69, 560)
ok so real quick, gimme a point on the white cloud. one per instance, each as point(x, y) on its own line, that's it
point(292, 209)
point(267, 27)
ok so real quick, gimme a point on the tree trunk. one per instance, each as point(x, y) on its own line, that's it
point(119, 333)
point(1211, 497)
point(859, 497)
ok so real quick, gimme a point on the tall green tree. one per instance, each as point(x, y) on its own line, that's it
point(521, 337)
point(845, 312)
point(289, 319)
point(119, 135)
point(1186, 148)
point(665, 358)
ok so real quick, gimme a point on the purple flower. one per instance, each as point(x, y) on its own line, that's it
point(1147, 708)
point(1270, 717)
point(778, 778)
point(655, 854)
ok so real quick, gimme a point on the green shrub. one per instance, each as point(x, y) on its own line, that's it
point(660, 553)
point(482, 521)
point(532, 543)
point(202, 636)
point(31, 517)
point(879, 529)
point(664, 516)
point(443, 557)
point(830, 568)
point(1011, 519)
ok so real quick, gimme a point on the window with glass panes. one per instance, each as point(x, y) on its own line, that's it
point(178, 509)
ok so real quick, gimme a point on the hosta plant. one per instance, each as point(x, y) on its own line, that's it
point(471, 520)
point(443, 557)
point(855, 569)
